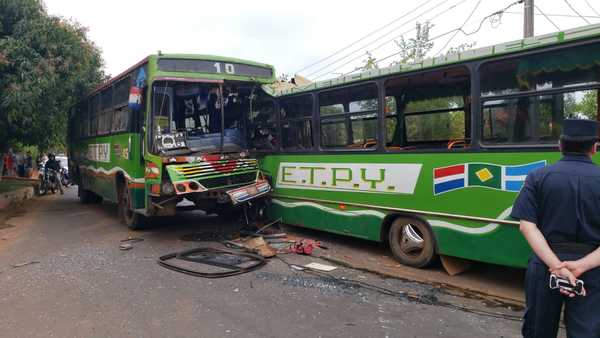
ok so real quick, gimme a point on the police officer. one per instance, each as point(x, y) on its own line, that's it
point(559, 212)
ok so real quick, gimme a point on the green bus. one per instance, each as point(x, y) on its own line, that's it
point(173, 127)
point(430, 156)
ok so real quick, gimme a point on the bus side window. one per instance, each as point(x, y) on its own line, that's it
point(296, 122)
point(510, 117)
point(349, 117)
point(428, 110)
point(262, 134)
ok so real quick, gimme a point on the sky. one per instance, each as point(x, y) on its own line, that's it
point(292, 35)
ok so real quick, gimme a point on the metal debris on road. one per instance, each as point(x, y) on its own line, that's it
point(132, 240)
point(125, 246)
point(233, 262)
point(24, 264)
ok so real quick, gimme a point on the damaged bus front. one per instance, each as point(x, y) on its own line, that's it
point(199, 130)
point(172, 128)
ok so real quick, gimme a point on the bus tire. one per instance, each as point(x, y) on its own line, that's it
point(412, 242)
point(229, 213)
point(85, 196)
point(129, 217)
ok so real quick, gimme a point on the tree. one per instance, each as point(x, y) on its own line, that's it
point(415, 49)
point(369, 63)
point(47, 64)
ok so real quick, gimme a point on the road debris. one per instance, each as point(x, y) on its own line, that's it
point(219, 263)
point(132, 240)
point(320, 267)
point(19, 265)
point(258, 245)
point(125, 246)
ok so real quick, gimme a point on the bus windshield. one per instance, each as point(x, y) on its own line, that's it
point(201, 117)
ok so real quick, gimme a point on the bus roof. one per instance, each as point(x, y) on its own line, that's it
point(546, 40)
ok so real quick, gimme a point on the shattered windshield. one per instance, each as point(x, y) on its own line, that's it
point(203, 113)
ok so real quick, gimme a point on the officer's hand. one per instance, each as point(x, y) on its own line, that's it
point(564, 273)
point(577, 268)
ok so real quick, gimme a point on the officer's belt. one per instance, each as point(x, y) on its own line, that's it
point(573, 248)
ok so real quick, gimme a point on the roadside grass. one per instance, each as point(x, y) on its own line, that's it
point(11, 185)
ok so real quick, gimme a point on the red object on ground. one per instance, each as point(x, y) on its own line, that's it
point(304, 247)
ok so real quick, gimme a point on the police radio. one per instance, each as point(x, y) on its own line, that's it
point(557, 282)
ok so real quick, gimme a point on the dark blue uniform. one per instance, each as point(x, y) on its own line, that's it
point(563, 200)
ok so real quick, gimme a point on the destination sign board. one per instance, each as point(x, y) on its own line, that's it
point(214, 67)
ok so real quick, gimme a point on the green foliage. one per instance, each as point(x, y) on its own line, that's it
point(586, 105)
point(414, 49)
point(46, 64)
point(369, 63)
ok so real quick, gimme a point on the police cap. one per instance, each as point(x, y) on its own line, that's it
point(579, 130)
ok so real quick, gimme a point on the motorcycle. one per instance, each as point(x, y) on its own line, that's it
point(65, 179)
point(49, 181)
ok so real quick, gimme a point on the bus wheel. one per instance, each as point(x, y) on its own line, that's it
point(412, 242)
point(132, 219)
point(85, 196)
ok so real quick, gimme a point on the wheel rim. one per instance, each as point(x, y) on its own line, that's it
point(411, 241)
point(127, 211)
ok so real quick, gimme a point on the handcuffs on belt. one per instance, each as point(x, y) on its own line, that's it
point(557, 282)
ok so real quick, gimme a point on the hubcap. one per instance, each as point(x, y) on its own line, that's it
point(411, 242)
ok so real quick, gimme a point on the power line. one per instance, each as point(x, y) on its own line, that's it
point(547, 18)
point(592, 7)
point(463, 25)
point(382, 44)
point(558, 15)
point(576, 12)
point(364, 37)
point(460, 29)
point(378, 39)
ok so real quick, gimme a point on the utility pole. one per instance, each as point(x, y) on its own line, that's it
point(528, 18)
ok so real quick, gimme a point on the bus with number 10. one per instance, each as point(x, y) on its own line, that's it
point(172, 128)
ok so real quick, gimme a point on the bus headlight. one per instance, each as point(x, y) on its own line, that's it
point(167, 188)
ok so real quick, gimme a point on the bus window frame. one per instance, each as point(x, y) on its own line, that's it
point(470, 67)
point(319, 118)
point(311, 118)
point(476, 110)
point(277, 122)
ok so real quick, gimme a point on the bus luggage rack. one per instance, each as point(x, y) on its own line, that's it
point(211, 168)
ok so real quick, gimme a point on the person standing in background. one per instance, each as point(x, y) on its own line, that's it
point(28, 164)
point(20, 164)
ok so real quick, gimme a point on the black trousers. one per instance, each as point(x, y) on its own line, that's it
point(544, 306)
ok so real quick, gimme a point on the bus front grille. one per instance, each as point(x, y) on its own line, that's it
point(214, 169)
point(231, 180)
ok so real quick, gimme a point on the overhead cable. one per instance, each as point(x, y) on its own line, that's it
point(379, 38)
point(576, 12)
point(460, 29)
point(547, 18)
point(364, 37)
point(463, 25)
point(592, 8)
point(383, 43)
point(558, 15)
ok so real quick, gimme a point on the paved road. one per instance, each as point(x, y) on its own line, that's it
point(84, 286)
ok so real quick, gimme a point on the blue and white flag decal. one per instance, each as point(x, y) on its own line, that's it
point(514, 176)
